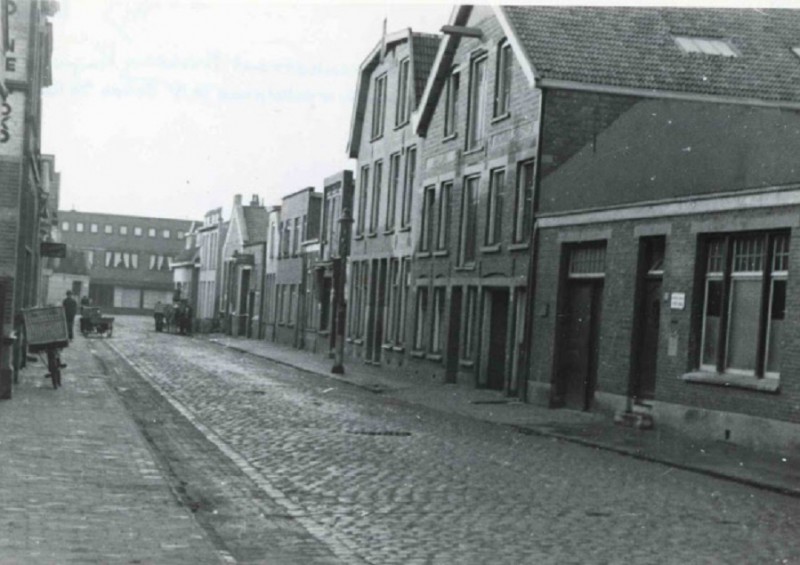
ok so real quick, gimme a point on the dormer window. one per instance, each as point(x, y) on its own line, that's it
point(705, 46)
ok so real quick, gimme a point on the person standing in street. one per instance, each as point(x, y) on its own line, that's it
point(158, 314)
point(70, 311)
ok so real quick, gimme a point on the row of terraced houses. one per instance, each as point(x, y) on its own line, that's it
point(585, 208)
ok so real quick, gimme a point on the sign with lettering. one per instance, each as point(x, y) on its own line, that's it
point(677, 301)
point(15, 66)
point(12, 124)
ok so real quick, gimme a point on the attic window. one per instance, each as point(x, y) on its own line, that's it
point(705, 46)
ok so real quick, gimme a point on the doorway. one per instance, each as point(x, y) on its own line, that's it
point(648, 315)
point(453, 336)
point(497, 347)
point(244, 312)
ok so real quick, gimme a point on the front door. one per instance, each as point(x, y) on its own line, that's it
point(453, 334)
point(579, 342)
point(645, 338)
point(498, 339)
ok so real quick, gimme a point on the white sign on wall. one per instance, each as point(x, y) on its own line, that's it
point(15, 66)
point(12, 124)
point(677, 301)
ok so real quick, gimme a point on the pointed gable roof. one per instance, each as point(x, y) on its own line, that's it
point(422, 48)
point(632, 50)
point(254, 226)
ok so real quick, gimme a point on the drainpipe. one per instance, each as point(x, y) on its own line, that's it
point(533, 259)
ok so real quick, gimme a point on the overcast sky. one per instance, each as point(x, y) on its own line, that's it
point(170, 107)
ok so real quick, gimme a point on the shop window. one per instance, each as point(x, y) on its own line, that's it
point(744, 303)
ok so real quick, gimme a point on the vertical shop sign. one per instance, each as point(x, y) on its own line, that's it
point(15, 66)
point(12, 124)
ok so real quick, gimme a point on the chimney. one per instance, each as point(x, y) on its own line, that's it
point(237, 200)
point(254, 200)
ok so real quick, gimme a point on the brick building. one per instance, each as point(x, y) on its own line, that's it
point(185, 268)
point(667, 215)
point(209, 239)
point(245, 239)
point(479, 117)
point(299, 227)
point(128, 257)
point(269, 301)
point(390, 84)
point(27, 42)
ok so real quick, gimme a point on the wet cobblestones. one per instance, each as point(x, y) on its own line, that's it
point(447, 489)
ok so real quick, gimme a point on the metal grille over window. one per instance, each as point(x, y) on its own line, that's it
point(587, 262)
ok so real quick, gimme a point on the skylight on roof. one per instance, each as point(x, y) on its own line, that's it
point(705, 46)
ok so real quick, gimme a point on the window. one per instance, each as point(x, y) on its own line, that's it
point(79, 227)
point(523, 201)
point(362, 201)
point(502, 85)
point(93, 228)
point(408, 184)
point(744, 303)
point(469, 220)
point(451, 105)
point(296, 237)
point(157, 263)
point(108, 228)
point(151, 232)
point(403, 102)
point(134, 261)
point(468, 337)
point(422, 313)
point(706, 46)
point(494, 211)
point(64, 226)
point(443, 223)
point(377, 180)
point(392, 299)
point(123, 230)
point(428, 210)
point(587, 261)
point(89, 259)
point(165, 234)
point(137, 231)
point(394, 183)
point(438, 316)
point(378, 106)
point(476, 119)
point(180, 234)
point(109, 259)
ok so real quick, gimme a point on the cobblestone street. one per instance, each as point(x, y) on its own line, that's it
point(380, 481)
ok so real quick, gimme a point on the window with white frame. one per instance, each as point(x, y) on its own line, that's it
point(469, 220)
point(378, 106)
point(744, 302)
point(451, 105)
point(428, 211)
point(443, 221)
point(494, 210)
point(502, 85)
point(403, 97)
point(523, 201)
point(476, 115)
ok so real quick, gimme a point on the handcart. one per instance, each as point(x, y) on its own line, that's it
point(46, 331)
point(93, 323)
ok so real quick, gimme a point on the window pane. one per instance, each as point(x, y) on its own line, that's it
point(744, 315)
point(775, 330)
point(713, 311)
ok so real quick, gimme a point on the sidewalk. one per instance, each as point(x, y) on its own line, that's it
point(79, 484)
point(719, 459)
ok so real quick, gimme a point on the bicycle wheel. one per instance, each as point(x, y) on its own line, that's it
point(54, 366)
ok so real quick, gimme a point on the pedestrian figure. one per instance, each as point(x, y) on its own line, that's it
point(158, 314)
point(70, 311)
point(169, 316)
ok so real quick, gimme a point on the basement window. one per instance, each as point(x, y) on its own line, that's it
point(705, 46)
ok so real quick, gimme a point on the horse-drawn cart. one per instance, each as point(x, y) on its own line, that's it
point(95, 324)
point(46, 332)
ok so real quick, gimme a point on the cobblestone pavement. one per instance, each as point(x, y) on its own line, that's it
point(78, 483)
point(384, 482)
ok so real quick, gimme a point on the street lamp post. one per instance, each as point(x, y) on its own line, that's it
point(339, 275)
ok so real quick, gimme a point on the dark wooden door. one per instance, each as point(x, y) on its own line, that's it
point(579, 343)
point(453, 334)
point(498, 340)
point(650, 314)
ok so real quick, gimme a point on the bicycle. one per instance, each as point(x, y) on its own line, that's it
point(54, 365)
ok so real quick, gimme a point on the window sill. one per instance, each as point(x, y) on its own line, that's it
point(376, 138)
point(491, 248)
point(372, 234)
point(386, 346)
point(518, 246)
point(423, 254)
point(767, 384)
point(466, 363)
point(501, 117)
point(473, 151)
point(358, 236)
point(401, 125)
point(388, 231)
point(358, 341)
point(399, 348)
point(324, 332)
point(441, 253)
point(450, 137)
point(418, 353)
point(405, 228)
point(434, 356)
point(470, 267)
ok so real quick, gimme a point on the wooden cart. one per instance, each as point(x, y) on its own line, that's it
point(95, 324)
point(46, 333)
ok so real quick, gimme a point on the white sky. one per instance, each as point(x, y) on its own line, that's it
point(170, 107)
